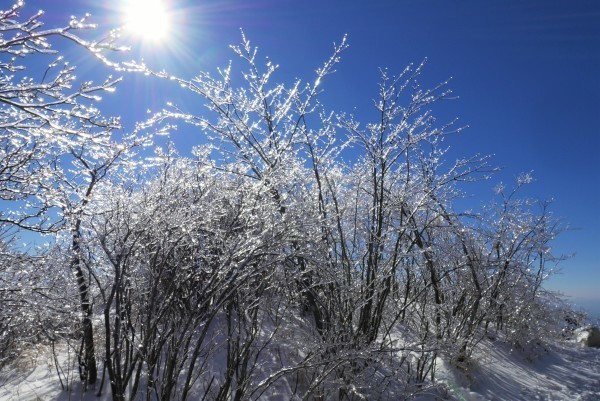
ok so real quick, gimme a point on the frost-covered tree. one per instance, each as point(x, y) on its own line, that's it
point(53, 139)
point(262, 133)
point(43, 112)
point(518, 233)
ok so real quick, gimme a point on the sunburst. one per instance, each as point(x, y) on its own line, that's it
point(147, 19)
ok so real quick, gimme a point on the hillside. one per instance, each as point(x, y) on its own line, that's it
point(564, 370)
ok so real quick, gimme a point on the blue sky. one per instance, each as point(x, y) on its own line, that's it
point(527, 74)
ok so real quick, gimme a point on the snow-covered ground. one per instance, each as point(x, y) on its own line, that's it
point(562, 371)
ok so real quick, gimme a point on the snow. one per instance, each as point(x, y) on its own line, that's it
point(561, 371)
point(33, 377)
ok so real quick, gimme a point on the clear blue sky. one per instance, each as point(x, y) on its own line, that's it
point(527, 74)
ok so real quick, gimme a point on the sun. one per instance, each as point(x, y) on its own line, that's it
point(148, 19)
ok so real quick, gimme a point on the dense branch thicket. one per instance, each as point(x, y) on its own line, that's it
point(263, 265)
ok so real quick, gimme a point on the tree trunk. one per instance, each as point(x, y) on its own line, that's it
point(88, 370)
